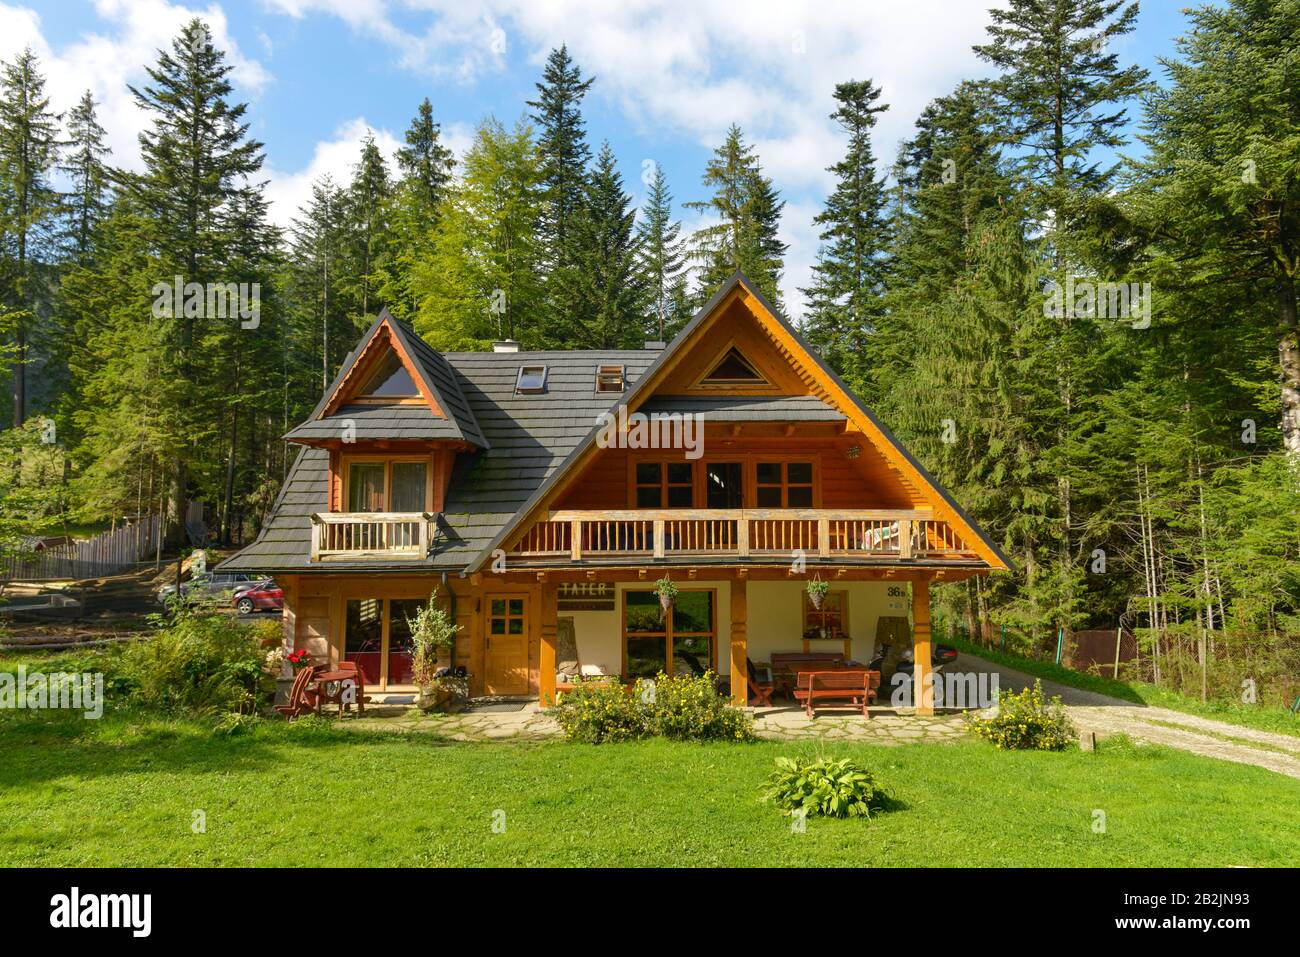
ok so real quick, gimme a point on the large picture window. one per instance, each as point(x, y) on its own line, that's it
point(377, 638)
point(679, 641)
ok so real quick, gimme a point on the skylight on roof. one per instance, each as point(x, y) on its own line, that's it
point(610, 379)
point(531, 381)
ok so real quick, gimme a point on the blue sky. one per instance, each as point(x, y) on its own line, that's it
point(671, 76)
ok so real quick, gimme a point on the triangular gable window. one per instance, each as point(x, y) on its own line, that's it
point(734, 369)
point(390, 381)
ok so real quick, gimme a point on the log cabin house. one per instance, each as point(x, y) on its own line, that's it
point(497, 478)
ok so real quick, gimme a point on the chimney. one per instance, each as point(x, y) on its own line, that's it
point(655, 344)
point(505, 345)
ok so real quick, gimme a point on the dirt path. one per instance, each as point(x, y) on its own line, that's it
point(1103, 715)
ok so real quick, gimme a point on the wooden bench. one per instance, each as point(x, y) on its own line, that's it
point(856, 685)
point(786, 665)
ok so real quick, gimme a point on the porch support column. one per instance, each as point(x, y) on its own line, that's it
point(546, 657)
point(739, 642)
point(922, 690)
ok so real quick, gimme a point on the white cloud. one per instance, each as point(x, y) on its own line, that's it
point(105, 62)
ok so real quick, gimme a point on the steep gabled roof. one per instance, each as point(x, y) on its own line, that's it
point(839, 395)
point(448, 415)
point(527, 437)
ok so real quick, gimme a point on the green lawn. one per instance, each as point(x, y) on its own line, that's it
point(123, 791)
point(1259, 717)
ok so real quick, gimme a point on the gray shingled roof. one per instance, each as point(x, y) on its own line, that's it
point(435, 375)
point(527, 437)
point(377, 422)
point(746, 408)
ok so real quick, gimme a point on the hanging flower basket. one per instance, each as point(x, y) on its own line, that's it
point(817, 590)
point(666, 589)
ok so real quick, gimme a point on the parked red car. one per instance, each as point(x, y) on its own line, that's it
point(266, 595)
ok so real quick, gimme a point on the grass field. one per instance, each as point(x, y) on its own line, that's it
point(124, 791)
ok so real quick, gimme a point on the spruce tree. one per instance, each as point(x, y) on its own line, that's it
point(197, 157)
point(662, 260)
point(368, 236)
point(748, 208)
point(425, 168)
point(562, 144)
point(606, 292)
point(85, 166)
point(845, 300)
point(28, 203)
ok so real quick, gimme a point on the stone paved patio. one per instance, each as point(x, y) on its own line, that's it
point(781, 723)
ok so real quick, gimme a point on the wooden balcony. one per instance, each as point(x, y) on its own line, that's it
point(371, 536)
point(900, 535)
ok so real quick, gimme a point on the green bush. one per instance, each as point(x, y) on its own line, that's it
point(686, 708)
point(595, 712)
point(1026, 722)
point(203, 664)
point(821, 786)
point(682, 708)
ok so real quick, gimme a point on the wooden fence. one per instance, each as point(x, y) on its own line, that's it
point(106, 554)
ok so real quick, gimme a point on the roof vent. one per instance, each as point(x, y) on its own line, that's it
point(506, 345)
point(656, 344)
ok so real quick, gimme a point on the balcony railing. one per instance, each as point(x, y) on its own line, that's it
point(344, 536)
point(742, 533)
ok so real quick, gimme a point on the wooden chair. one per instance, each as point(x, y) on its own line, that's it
point(301, 698)
point(855, 685)
point(760, 691)
point(353, 667)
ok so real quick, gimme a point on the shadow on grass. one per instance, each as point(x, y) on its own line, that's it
point(41, 747)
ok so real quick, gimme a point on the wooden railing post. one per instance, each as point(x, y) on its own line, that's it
point(659, 538)
point(905, 538)
point(575, 540)
point(824, 537)
point(742, 536)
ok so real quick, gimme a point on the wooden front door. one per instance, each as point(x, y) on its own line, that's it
point(505, 653)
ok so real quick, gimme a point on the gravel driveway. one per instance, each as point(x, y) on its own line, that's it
point(1103, 715)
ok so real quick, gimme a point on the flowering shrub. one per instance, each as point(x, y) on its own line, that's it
point(1026, 721)
point(824, 787)
point(685, 707)
point(595, 712)
point(681, 708)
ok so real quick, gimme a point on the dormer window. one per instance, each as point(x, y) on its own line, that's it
point(390, 381)
point(531, 381)
point(609, 379)
point(734, 369)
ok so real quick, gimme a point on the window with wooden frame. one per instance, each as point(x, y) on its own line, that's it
point(783, 484)
point(378, 484)
point(733, 369)
point(377, 639)
point(681, 640)
point(664, 485)
point(610, 379)
point(831, 620)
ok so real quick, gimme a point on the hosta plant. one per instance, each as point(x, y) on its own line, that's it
point(825, 787)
